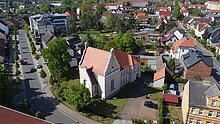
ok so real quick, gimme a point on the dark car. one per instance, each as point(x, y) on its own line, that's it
point(32, 69)
point(150, 104)
point(38, 66)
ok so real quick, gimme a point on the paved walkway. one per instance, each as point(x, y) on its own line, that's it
point(135, 108)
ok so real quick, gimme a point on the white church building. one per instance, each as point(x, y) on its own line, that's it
point(104, 73)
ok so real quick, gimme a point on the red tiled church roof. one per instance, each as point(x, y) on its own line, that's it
point(97, 60)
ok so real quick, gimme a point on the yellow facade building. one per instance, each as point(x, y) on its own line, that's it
point(201, 103)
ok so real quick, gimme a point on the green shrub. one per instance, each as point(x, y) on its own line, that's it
point(17, 65)
point(51, 80)
point(181, 80)
point(137, 121)
point(18, 80)
point(37, 57)
point(26, 104)
point(16, 57)
point(38, 114)
point(17, 72)
point(43, 74)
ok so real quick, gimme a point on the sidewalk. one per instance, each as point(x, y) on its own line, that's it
point(45, 86)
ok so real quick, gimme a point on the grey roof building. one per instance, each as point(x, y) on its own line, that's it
point(193, 57)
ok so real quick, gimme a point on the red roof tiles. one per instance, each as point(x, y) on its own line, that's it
point(9, 116)
point(69, 13)
point(166, 13)
point(184, 42)
point(201, 26)
point(171, 98)
point(97, 60)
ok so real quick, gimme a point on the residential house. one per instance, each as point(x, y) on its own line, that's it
point(74, 42)
point(179, 33)
point(10, 116)
point(200, 29)
point(214, 38)
point(13, 23)
point(47, 38)
point(184, 11)
point(199, 6)
point(214, 12)
point(217, 48)
point(40, 25)
point(171, 100)
point(165, 8)
point(4, 28)
point(169, 39)
point(192, 23)
point(142, 17)
point(197, 65)
point(25, 20)
point(164, 76)
point(181, 47)
point(104, 73)
point(48, 22)
point(2, 50)
point(212, 5)
point(113, 6)
point(165, 14)
point(69, 13)
point(200, 103)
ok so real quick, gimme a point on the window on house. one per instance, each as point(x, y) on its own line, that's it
point(213, 103)
point(121, 81)
point(182, 50)
point(191, 121)
point(193, 110)
point(210, 113)
point(96, 88)
point(84, 82)
point(112, 85)
point(208, 122)
point(126, 79)
point(112, 67)
point(201, 111)
point(218, 115)
point(198, 122)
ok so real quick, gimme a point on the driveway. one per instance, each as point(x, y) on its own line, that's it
point(135, 108)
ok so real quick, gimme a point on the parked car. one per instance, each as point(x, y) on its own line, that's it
point(32, 70)
point(38, 66)
point(150, 104)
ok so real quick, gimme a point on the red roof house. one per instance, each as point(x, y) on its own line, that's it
point(69, 13)
point(170, 99)
point(10, 116)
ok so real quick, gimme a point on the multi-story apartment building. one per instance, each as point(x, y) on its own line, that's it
point(42, 23)
point(201, 103)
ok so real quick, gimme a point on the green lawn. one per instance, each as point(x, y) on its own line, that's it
point(100, 110)
point(153, 93)
point(175, 114)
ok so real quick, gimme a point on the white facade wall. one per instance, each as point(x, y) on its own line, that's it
point(199, 33)
point(4, 28)
point(159, 83)
point(180, 52)
point(45, 28)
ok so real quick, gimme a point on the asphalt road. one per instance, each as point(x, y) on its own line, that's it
point(216, 64)
point(33, 90)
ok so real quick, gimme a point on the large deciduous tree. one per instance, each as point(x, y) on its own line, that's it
point(177, 14)
point(58, 58)
point(77, 95)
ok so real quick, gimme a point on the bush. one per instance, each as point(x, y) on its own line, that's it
point(26, 104)
point(29, 38)
point(17, 65)
point(16, 46)
point(16, 57)
point(160, 111)
point(38, 114)
point(17, 72)
point(33, 48)
point(137, 121)
point(43, 74)
point(18, 80)
point(181, 80)
point(51, 80)
point(37, 57)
